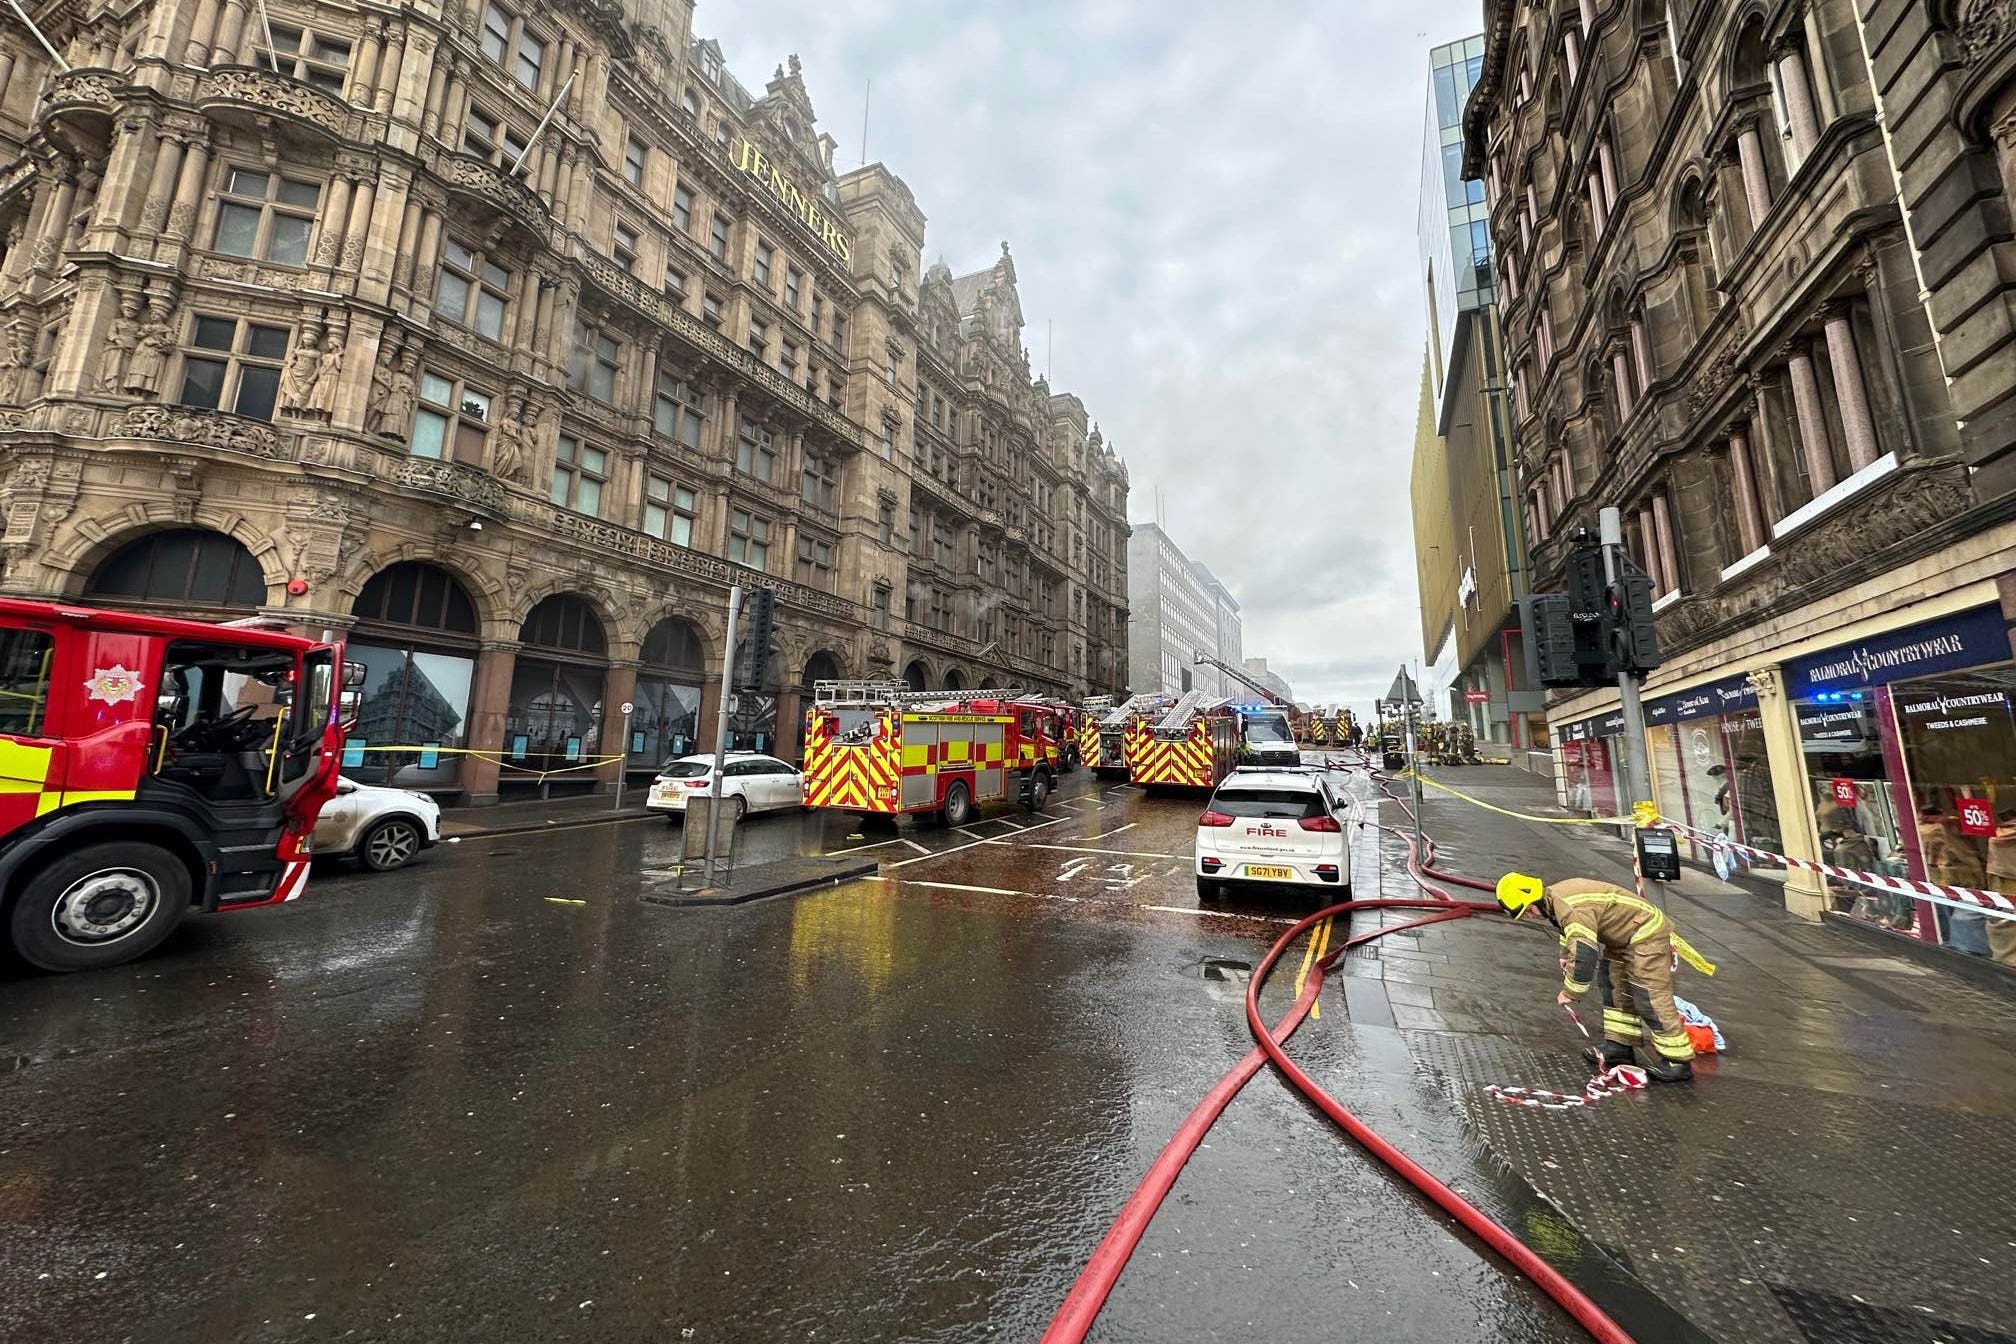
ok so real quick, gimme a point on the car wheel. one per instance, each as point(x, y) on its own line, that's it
point(741, 807)
point(1039, 791)
point(100, 906)
point(389, 844)
point(958, 806)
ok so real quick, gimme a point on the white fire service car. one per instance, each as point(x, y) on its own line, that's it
point(1270, 826)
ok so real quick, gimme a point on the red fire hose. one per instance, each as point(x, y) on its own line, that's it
point(1096, 1281)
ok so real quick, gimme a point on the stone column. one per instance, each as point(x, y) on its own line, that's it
point(1606, 164)
point(1850, 395)
point(364, 70)
point(6, 75)
point(1641, 355)
point(1805, 895)
point(619, 687)
point(119, 196)
point(1756, 178)
point(1599, 213)
point(437, 98)
point(409, 238)
point(230, 30)
point(425, 258)
point(168, 150)
point(1749, 516)
point(189, 190)
point(1620, 374)
point(1813, 444)
point(327, 248)
point(357, 228)
point(1648, 549)
point(489, 704)
point(381, 232)
point(1571, 48)
point(1798, 102)
point(1669, 555)
point(391, 64)
point(205, 26)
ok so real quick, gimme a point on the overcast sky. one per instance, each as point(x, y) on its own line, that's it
point(1215, 203)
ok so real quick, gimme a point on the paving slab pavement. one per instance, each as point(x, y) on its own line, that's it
point(1847, 1171)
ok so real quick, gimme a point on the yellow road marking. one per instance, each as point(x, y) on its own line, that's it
point(1321, 933)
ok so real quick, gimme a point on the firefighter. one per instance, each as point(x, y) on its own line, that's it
point(1623, 945)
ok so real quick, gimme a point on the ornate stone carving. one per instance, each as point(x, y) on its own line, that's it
point(187, 424)
point(261, 88)
point(480, 177)
point(609, 537)
point(452, 479)
point(1916, 502)
point(393, 395)
point(1982, 25)
point(298, 375)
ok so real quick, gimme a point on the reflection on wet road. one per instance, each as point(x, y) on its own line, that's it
point(436, 1105)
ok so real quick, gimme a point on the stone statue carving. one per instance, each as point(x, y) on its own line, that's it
point(509, 444)
point(394, 399)
point(151, 348)
point(297, 376)
point(121, 342)
point(328, 373)
point(13, 366)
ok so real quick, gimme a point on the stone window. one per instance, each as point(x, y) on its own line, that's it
point(764, 253)
point(690, 102)
point(717, 237)
point(787, 359)
point(885, 446)
point(710, 308)
point(579, 472)
point(507, 42)
point(819, 483)
point(488, 138)
point(669, 510)
point(839, 331)
point(815, 564)
point(721, 132)
point(232, 364)
point(682, 208)
point(452, 420)
point(748, 539)
point(311, 57)
point(759, 337)
point(756, 452)
point(636, 154)
point(472, 290)
point(794, 284)
point(265, 216)
point(623, 247)
point(678, 410)
point(597, 358)
point(675, 284)
point(889, 358)
point(818, 312)
point(878, 607)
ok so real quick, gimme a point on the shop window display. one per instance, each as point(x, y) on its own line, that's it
point(1957, 735)
point(1841, 753)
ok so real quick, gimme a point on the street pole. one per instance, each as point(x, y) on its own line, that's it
point(623, 766)
point(721, 728)
point(1636, 778)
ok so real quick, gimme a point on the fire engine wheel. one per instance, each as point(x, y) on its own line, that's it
point(958, 807)
point(1039, 792)
point(100, 906)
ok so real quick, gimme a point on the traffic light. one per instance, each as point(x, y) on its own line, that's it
point(1547, 619)
point(759, 623)
point(1586, 583)
point(1633, 640)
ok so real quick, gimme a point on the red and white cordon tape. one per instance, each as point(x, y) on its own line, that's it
point(1992, 903)
point(1611, 1082)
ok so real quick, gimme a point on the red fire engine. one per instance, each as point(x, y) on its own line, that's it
point(874, 748)
point(151, 765)
point(1114, 736)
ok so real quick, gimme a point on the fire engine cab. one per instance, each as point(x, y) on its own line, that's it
point(880, 749)
point(151, 765)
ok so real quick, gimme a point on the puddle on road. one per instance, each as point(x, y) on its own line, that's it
point(1225, 969)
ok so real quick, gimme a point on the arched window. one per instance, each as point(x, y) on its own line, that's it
point(955, 680)
point(565, 622)
point(416, 637)
point(189, 567)
point(914, 676)
point(666, 721)
point(821, 666)
point(417, 594)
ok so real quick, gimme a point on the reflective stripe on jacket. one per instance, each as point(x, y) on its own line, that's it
point(1595, 918)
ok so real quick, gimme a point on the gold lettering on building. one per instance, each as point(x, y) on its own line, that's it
point(750, 160)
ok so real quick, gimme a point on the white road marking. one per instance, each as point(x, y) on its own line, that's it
point(1087, 849)
point(1117, 829)
point(955, 886)
point(939, 854)
point(919, 848)
point(1072, 868)
point(1214, 914)
point(856, 849)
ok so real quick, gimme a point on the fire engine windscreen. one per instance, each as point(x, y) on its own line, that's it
point(1265, 729)
point(856, 726)
point(1272, 804)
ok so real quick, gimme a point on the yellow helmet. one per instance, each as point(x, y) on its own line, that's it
point(1517, 893)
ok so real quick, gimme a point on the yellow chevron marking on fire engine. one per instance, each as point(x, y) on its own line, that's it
point(23, 769)
point(52, 799)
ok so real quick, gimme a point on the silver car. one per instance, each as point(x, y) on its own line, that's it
point(381, 828)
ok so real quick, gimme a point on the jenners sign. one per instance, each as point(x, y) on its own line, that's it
point(750, 160)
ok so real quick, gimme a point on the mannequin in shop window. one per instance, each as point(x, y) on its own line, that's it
point(1954, 859)
point(2002, 877)
point(1848, 845)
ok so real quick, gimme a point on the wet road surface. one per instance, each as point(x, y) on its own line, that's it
point(440, 1104)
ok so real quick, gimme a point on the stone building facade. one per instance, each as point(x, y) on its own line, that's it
point(1755, 274)
point(507, 337)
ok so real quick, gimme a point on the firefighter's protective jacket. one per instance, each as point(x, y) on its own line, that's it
point(1596, 918)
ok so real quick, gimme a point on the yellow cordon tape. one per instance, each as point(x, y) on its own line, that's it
point(1522, 816)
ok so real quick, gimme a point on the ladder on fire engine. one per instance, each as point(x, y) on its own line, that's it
point(1206, 660)
point(896, 693)
point(1180, 713)
point(1135, 704)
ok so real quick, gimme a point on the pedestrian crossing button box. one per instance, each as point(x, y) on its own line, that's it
point(1659, 855)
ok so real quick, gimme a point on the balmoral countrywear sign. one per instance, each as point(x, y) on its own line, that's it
point(750, 160)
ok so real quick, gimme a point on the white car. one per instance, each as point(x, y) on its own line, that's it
point(381, 828)
point(1274, 826)
point(756, 784)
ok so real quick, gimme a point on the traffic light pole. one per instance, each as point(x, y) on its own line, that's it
point(1636, 777)
point(721, 728)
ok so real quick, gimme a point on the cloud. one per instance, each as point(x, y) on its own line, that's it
point(1216, 206)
